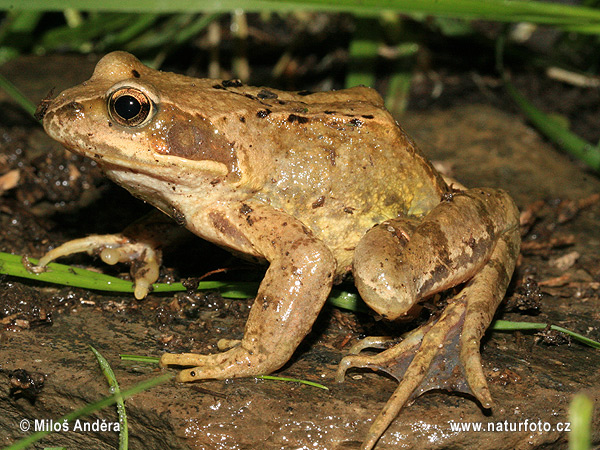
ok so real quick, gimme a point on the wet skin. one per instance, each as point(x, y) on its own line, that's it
point(317, 185)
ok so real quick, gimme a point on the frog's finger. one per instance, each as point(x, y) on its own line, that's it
point(114, 248)
point(88, 244)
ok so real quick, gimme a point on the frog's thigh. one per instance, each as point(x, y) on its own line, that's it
point(402, 261)
point(474, 238)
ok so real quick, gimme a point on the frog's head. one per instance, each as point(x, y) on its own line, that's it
point(138, 124)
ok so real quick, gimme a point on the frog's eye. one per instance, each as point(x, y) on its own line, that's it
point(129, 107)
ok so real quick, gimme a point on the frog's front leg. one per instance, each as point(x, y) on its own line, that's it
point(139, 244)
point(293, 291)
point(471, 238)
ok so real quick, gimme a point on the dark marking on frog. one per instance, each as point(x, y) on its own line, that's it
point(447, 196)
point(249, 96)
point(266, 94)
point(304, 93)
point(294, 118)
point(245, 209)
point(480, 251)
point(138, 268)
point(442, 269)
point(392, 199)
point(450, 192)
point(318, 202)
point(356, 122)
point(483, 213)
point(327, 111)
point(135, 74)
point(349, 209)
point(367, 116)
point(242, 119)
point(331, 155)
point(218, 86)
point(263, 113)
point(265, 300)
point(226, 228)
point(198, 141)
point(232, 83)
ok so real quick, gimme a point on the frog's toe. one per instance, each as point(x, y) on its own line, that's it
point(434, 356)
point(181, 359)
point(233, 363)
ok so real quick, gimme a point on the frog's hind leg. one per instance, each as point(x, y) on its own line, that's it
point(471, 239)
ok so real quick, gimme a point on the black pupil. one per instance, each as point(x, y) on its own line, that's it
point(127, 107)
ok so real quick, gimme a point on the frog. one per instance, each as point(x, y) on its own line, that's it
point(319, 186)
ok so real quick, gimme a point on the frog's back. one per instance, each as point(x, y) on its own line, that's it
point(341, 164)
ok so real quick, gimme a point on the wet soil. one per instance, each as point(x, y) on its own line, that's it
point(47, 369)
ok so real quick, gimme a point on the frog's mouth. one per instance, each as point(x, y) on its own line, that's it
point(129, 155)
point(121, 165)
point(112, 159)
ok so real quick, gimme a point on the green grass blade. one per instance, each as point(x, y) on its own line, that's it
point(500, 10)
point(162, 34)
point(138, 358)
point(140, 24)
point(580, 416)
point(73, 276)
point(114, 388)
point(505, 325)
point(16, 95)
point(555, 131)
point(363, 53)
point(61, 274)
point(92, 407)
point(95, 27)
point(347, 300)
point(292, 380)
point(195, 27)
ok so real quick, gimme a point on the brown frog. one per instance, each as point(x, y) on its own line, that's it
point(317, 185)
